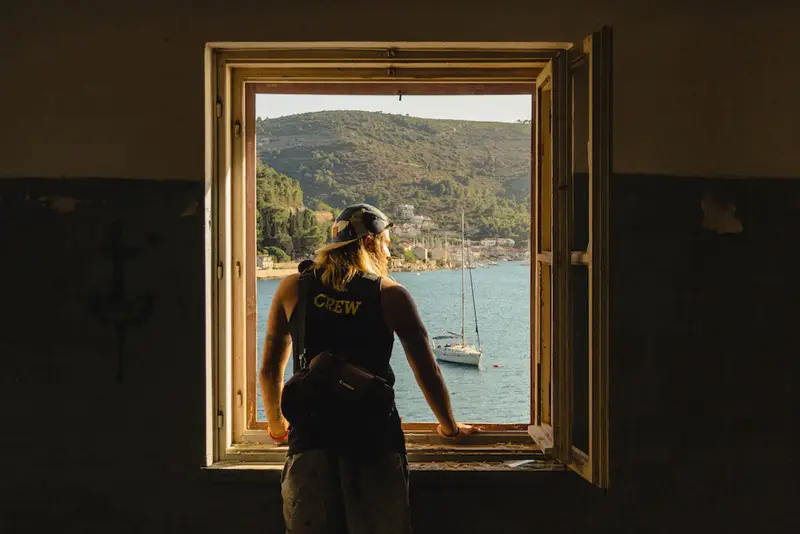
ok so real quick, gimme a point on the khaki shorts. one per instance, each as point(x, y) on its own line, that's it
point(325, 493)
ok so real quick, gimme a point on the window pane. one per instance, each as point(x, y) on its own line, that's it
point(545, 366)
point(580, 158)
point(545, 195)
point(580, 347)
point(580, 243)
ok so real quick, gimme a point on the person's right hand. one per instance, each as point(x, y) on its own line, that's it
point(278, 430)
point(464, 431)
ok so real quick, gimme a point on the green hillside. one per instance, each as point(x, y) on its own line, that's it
point(342, 157)
point(283, 225)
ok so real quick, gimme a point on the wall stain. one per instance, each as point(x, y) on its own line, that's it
point(118, 309)
point(190, 210)
point(60, 204)
point(720, 216)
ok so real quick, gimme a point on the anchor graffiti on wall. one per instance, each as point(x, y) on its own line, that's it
point(117, 308)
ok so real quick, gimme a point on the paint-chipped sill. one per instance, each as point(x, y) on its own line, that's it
point(422, 446)
point(427, 472)
point(491, 452)
point(528, 464)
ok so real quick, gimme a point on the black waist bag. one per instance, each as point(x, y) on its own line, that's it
point(329, 385)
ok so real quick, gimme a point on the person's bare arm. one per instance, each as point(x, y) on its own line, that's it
point(275, 355)
point(402, 317)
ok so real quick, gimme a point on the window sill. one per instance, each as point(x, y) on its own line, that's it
point(492, 447)
point(512, 454)
point(426, 472)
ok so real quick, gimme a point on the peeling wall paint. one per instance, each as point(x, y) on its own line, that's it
point(720, 216)
point(190, 210)
point(60, 204)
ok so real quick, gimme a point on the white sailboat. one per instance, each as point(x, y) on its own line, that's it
point(452, 347)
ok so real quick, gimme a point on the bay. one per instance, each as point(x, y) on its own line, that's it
point(499, 391)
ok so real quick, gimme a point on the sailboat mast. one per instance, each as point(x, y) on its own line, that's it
point(463, 302)
point(474, 307)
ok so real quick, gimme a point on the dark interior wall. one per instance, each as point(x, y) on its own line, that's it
point(703, 338)
point(703, 367)
point(704, 359)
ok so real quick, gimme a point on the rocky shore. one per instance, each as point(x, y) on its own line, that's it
point(282, 270)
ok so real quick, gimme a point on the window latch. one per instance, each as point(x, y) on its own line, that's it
point(220, 419)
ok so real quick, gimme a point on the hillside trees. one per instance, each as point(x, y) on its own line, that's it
point(282, 222)
point(439, 166)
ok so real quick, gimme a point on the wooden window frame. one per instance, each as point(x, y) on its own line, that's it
point(596, 55)
point(553, 218)
point(344, 88)
point(235, 72)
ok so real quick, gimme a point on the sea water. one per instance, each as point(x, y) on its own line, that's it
point(498, 391)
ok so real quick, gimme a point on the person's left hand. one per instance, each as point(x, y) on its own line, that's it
point(463, 432)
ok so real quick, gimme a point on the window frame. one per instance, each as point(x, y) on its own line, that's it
point(551, 353)
point(557, 152)
point(232, 70)
point(346, 88)
point(596, 55)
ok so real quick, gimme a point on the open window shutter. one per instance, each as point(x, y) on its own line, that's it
point(550, 256)
point(590, 95)
point(570, 276)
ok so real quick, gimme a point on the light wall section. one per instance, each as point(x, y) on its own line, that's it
point(701, 88)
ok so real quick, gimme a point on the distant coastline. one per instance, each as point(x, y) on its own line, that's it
point(282, 270)
point(275, 274)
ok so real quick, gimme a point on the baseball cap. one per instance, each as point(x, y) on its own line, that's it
point(355, 222)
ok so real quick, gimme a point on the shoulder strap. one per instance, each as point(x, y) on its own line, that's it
point(374, 281)
point(299, 343)
point(371, 277)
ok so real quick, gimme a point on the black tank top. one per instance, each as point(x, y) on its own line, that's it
point(348, 323)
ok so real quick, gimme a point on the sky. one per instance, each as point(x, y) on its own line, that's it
point(501, 108)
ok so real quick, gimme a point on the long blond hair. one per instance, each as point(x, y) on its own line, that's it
point(339, 266)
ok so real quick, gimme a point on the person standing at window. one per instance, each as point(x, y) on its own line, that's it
point(343, 474)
